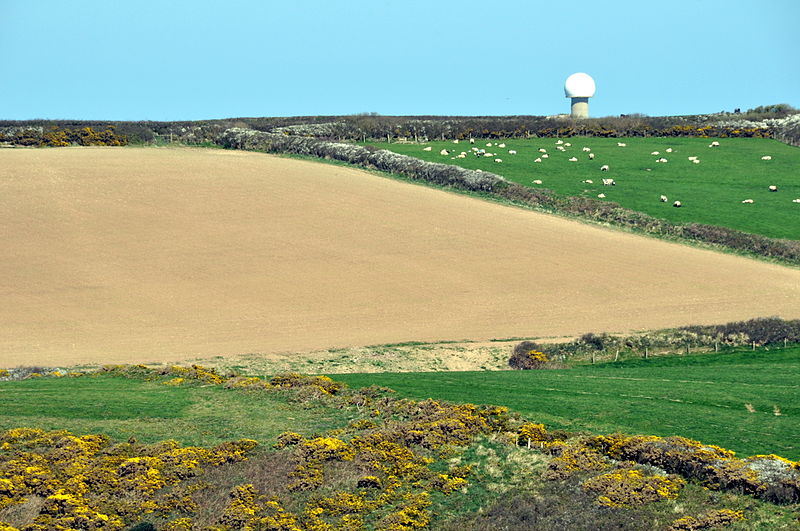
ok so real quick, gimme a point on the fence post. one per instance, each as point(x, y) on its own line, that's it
point(616, 355)
point(716, 346)
point(687, 349)
point(754, 346)
point(645, 352)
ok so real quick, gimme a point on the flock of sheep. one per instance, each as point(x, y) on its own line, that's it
point(562, 146)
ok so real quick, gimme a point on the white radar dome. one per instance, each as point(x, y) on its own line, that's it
point(579, 85)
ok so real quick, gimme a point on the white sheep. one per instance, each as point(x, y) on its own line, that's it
point(601, 196)
point(714, 144)
point(488, 144)
point(587, 148)
point(622, 144)
point(748, 201)
point(663, 199)
point(591, 156)
point(773, 188)
point(573, 159)
point(609, 182)
point(461, 156)
point(693, 158)
point(427, 148)
point(545, 156)
point(662, 159)
point(471, 140)
point(455, 141)
point(444, 152)
point(501, 145)
point(656, 153)
point(604, 167)
point(796, 200)
point(677, 204)
point(488, 154)
point(542, 150)
point(561, 148)
point(766, 157)
point(537, 181)
point(588, 181)
point(669, 150)
point(498, 160)
point(538, 160)
point(696, 161)
point(512, 152)
point(567, 144)
point(559, 142)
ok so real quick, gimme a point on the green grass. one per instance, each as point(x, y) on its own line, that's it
point(151, 411)
point(711, 191)
point(702, 397)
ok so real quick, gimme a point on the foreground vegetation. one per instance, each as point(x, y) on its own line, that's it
point(390, 463)
point(711, 192)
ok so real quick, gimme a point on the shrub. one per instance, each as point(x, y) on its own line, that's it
point(628, 487)
point(528, 355)
point(709, 520)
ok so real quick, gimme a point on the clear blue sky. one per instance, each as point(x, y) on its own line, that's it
point(190, 60)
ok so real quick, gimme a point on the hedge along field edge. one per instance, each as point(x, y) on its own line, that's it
point(786, 252)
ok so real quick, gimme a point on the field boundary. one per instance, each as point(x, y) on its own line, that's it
point(489, 185)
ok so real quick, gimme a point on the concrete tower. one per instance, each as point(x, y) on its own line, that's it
point(580, 87)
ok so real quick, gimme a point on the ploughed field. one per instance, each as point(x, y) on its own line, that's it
point(146, 254)
point(710, 191)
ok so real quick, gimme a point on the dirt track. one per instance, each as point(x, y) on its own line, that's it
point(127, 255)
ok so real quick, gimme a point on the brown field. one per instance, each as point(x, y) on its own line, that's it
point(146, 255)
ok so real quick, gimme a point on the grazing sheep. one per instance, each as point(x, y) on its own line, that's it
point(656, 153)
point(559, 142)
point(567, 145)
point(588, 181)
point(696, 161)
point(773, 188)
point(489, 144)
point(501, 145)
point(573, 159)
point(545, 156)
point(488, 154)
point(587, 148)
point(669, 150)
point(714, 144)
point(455, 141)
point(471, 140)
point(766, 157)
point(621, 144)
point(427, 148)
point(796, 200)
point(591, 156)
point(748, 201)
point(512, 152)
point(609, 182)
point(444, 152)
point(662, 159)
point(561, 148)
point(461, 156)
point(538, 160)
point(663, 199)
point(537, 181)
point(604, 167)
point(542, 150)
point(498, 160)
point(677, 204)
point(693, 158)
point(601, 196)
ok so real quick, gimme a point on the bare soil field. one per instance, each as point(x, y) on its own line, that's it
point(114, 255)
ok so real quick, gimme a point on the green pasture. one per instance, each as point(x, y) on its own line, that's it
point(151, 411)
point(711, 192)
point(703, 397)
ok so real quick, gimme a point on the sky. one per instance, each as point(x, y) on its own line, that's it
point(194, 60)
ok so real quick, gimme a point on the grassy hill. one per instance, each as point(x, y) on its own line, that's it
point(704, 397)
point(711, 191)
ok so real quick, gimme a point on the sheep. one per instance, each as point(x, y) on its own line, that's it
point(488, 144)
point(471, 140)
point(498, 160)
point(622, 144)
point(501, 145)
point(677, 204)
point(663, 199)
point(766, 157)
point(538, 160)
point(512, 152)
point(714, 144)
point(693, 158)
point(588, 181)
point(559, 142)
point(444, 152)
point(537, 181)
point(542, 150)
point(696, 161)
point(748, 201)
point(488, 154)
point(773, 188)
point(545, 156)
point(655, 153)
point(591, 156)
point(604, 167)
point(567, 144)
point(609, 182)
point(796, 200)
point(586, 148)
point(601, 196)
point(427, 148)
point(461, 156)
point(662, 159)
point(561, 148)
point(455, 141)
point(669, 150)
point(573, 159)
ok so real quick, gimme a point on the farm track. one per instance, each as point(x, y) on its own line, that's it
point(142, 255)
